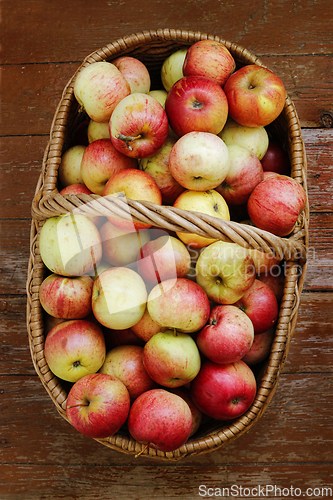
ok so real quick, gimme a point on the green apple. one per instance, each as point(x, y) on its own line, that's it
point(225, 271)
point(70, 245)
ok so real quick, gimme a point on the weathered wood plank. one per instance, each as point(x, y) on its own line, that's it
point(41, 86)
point(67, 35)
point(293, 429)
point(86, 482)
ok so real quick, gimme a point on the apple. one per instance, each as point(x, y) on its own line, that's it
point(196, 103)
point(139, 126)
point(98, 405)
point(211, 59)
point(135, 73)
point(172, 68)
point(263, 261)
point(268, 174)
point(75, 189)
point(136, 185)
point(70, 166)
point(276, 159)
point(225, 271)
point(96, 131)
point(244, 173)
point(64, 297)
point(160, 420)
point(115, 338)
point(98, 88)
point(146, 328)
point(256, 96)
point(160, 95)
point(209, 203)
point(70, 245)
point(126, 364)
point(120, 248)
point(199, 161)
point(74, 348)
point(260, 348)
point(196, 413)
point(171, 358)
point(179, 303)
point(276, 203)
point(253, 138)
point(157, 167)
point(100, 161)
point(163, 258)
point(119, 298)
point(260, 304)
point(228, 336)
point(224, 392)
point(274, 278)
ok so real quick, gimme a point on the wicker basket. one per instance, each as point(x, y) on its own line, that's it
point(152, 47)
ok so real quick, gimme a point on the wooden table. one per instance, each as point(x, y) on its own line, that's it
point(43, 457)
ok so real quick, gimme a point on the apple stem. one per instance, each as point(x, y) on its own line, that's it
point(128, 139)
point(142, 451)
point(79, 404)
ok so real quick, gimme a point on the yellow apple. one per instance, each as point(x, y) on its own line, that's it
point(207, 202)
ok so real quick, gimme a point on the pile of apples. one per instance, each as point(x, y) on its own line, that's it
point(157, 332)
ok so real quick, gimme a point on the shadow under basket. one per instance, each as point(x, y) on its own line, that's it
point(152, 48)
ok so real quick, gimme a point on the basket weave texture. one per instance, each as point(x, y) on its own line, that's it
point(152, 48)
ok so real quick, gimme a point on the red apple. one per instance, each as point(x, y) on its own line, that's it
point(210, 59)
point(244, 173)
point(100, 161)
point(276, 159)
point(228, 336)
point(260, 348)
point(75, 189)
point(199, 161)
point(179, 303)
point(136, 185)
point(146, 327)
point(160, 420)
point(276, 203)
point(74, 348)
point(126, 364)
point(195, 103)
point(196, 413)
point(164, 258)
point(98, 88)
point(66, 297)
point(139, 126)
point(135, 73)
point(274, 278)
point(98, 405)
point(256, 96)
point(264, 262)
point(224, 392)
point(171, 358)
point(260, 304)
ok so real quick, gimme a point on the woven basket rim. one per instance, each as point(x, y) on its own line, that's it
point(48, 202)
